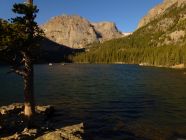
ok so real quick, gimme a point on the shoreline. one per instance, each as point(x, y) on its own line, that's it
point(13, 125)
point(177, 66)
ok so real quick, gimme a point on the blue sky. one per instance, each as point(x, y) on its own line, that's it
point(125, 13)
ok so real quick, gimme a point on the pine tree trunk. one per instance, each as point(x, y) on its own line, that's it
point(29, 103)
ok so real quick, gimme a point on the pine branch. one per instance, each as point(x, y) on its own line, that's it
point(18, 71)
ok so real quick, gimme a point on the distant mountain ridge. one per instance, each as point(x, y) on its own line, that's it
point(77, 32)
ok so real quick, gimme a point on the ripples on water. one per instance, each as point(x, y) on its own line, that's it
point(113, 101)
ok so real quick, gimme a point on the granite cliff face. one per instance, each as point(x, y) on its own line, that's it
point(159, 10)
point(106, 30)
point(77, 32)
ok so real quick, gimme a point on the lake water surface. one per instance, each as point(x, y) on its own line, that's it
point(114, 102)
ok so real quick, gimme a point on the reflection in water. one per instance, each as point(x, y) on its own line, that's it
point(114, 101)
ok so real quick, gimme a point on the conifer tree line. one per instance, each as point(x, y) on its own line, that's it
point(164, 55)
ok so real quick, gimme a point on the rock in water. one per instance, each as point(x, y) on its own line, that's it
point(73, 132)
point(13, 125)
point(77, 32)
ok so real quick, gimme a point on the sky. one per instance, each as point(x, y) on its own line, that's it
point(125, 13)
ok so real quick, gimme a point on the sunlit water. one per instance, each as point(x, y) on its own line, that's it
point(113, 101)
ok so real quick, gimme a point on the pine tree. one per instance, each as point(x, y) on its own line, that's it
point(18, 44)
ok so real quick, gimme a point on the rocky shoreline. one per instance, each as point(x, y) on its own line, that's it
point(178, 66)
point(14, 127)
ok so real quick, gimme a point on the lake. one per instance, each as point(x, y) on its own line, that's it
point(114, 102)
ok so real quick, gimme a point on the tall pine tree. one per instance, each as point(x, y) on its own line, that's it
point(18, 45)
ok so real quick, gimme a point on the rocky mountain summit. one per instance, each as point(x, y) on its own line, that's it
point(77, 32)
point(106, 30)
point(165, 24)
point(159, 10)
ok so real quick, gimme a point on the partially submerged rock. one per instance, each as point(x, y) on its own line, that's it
point(73, 132)
point(17, 108)
point(70, 133)
point(14, 127)
point(13, 108)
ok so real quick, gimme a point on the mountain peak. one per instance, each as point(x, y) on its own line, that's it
point(76, 32)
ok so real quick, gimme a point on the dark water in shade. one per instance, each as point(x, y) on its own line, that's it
point(114, 102)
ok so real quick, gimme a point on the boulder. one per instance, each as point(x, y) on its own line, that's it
point(73, 132)
point(13, 125)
